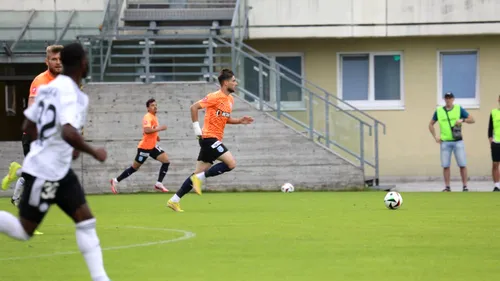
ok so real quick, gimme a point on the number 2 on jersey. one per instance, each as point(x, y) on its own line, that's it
point(46, 120)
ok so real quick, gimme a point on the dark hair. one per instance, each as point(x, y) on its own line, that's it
point(149, 102)
point(224, 75)
point(72, 56)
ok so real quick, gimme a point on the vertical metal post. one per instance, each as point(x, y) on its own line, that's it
point(101, 58)
point(377, 167)
point(278, 92)
point(361, 146)
point(211, 58)
point(327, 120)
point(233, 50)
point(55, 20)
point(146, 59)
point(91, 62)
point(311, 116)
point(261, 88)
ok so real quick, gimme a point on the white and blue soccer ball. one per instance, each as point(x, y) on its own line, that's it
point(287, 187)
point(393, 200)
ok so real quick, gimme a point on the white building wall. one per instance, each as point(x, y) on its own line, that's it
point(50, 5)
point(371, 18)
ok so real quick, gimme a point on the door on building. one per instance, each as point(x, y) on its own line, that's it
point(15, 82)
point(13, 101)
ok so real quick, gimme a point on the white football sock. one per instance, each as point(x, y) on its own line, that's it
point(497, 184)
point(89, 245)
point(19, 172)
point(201, 176)
point(18, 189)
point(11, 226)
point(175, 198)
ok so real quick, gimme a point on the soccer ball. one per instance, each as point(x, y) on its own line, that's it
point(287, 187)
point(393, 200)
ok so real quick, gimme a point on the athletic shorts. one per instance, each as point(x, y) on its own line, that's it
point(495, 152)
point(39, 195)
point(143, 154)
point(210, 150)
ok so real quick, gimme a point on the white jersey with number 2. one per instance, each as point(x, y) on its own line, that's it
point(56, 104)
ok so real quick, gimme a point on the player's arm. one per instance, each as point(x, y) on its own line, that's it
point(29, 127)
point(33, 88)
point(70, 121)
point(241, 120)
point(29, 124)
point(71, 135)
point(31, 100)
point(195, 107)
point(150, 130)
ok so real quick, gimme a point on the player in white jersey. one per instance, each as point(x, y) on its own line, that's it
point(54, 122)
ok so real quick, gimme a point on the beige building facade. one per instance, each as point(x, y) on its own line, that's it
point(394, 62)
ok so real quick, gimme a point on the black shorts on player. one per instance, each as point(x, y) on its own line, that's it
point(40, 194)
point(495, 152)
point(210, 150)
point(143, 154)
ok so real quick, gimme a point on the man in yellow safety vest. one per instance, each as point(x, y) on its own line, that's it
point(450, 118)
point(494, 136)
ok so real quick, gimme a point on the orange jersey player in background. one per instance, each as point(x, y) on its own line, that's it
point(54, 68)
point(148, 147)
point(219, 106)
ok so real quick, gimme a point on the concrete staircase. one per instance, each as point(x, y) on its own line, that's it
point(268, 153)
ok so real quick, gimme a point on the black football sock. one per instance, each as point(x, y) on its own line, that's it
point(218, 169)
point(163, 171)
point(185, 188)
point(129, 171)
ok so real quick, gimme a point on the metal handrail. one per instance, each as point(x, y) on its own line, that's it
point(289, 75)
point(185, 5)
point(235, 13)
point(308, 82)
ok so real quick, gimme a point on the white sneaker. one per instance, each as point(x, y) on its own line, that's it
point(159, 186)
point(113, 183)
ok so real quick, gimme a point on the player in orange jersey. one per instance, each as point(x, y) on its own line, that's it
point(218, 106)
point(148, 147)
point(54, 68)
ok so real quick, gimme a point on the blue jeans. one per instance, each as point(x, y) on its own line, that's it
point(456, 147)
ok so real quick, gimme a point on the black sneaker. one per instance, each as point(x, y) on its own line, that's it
point(465, 189)
point(447, 189)
point(496, 189)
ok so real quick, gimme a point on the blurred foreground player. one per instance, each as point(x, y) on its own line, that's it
point(219, 106)
point(53, 122)
point(54, 68)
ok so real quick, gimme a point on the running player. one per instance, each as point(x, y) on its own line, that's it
point(219, 106)
point(59, 112)
point(147, 147)
point(54, 67)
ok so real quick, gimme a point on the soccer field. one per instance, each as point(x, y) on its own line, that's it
point(271, 236)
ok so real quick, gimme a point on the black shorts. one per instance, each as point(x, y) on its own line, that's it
point(143, 154)
point(39, 194)
point(210, 150)
point(26, 141)
point(495, 152)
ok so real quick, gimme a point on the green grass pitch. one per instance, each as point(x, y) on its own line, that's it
point(271, 236)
